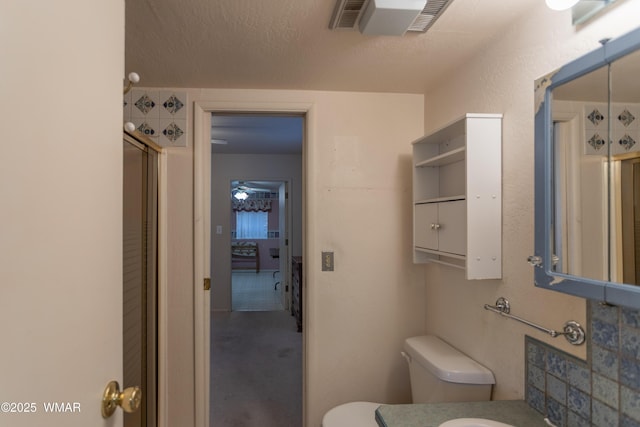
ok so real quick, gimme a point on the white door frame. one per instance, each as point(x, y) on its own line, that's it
point(202, 111)
point(163, 307)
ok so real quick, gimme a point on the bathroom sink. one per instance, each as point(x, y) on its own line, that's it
point(473, 422)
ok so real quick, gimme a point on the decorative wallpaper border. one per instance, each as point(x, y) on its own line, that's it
point(159, 114)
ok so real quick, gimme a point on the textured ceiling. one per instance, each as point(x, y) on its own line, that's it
point(286, 44)
point(256, 134)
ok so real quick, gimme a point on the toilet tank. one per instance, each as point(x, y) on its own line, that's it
point(440, 373)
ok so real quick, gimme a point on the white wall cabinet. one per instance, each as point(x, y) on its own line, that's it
point(457, 196)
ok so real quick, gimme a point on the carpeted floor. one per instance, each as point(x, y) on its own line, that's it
point(256, 370)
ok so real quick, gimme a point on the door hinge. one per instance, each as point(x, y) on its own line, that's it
point(207, 283)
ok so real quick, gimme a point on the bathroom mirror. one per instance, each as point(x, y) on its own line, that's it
point(587, 175)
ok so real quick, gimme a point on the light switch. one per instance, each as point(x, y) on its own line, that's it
point(218, 229)
point(327, 261)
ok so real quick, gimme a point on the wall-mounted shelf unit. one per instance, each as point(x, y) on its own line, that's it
point(457, 196)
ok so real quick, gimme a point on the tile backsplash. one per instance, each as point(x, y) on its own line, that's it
point(159, 114)
point(603, 391)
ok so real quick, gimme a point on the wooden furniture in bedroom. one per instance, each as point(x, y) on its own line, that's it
point(296, 290)
point(275, 254)
point(245, 256)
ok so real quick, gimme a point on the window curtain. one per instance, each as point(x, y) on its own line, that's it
point(252, 205)
point(251, 225)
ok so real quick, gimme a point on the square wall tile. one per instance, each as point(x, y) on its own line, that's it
point(556, 364)
point(579, 403)
point(605, 362)
point(173, 105)
point(126, 107)
point(149, 128)
point(630, 341)
point(630, 403)
point(579, 376)
point(145, 104)
point(535, 377)
point(557, 389)
point(605, 390)
point(630, 372)
point(603, 415)
point(605, 334)
point(173, 133)
point(536, 399)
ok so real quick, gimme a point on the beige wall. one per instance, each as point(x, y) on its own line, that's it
point(224, 169)
point(358, 204)
point(500, 79)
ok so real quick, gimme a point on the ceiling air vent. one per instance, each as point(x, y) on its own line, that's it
point(347, 14)
point(429, 14)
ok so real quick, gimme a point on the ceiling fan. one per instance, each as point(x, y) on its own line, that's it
point(241, 189)
point(249, 186)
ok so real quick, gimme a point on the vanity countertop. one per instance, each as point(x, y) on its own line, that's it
point(514, 412)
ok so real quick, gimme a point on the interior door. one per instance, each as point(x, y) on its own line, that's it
point(61, 212)
point(60, 285)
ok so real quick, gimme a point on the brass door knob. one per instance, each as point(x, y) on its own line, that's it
point(129, 399)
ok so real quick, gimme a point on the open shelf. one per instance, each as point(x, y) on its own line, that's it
point(451, 228)
point(441, 199)
point(444, 159)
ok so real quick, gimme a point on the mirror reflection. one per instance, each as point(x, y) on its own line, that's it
point(625, 169)
point(596, 174)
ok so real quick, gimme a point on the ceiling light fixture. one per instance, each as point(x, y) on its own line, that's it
point(561, 4)
point(241, 195)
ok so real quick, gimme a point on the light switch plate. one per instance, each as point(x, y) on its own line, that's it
point(327, 261)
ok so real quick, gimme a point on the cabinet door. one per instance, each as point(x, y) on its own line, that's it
point(452, 230)
point(426, 236)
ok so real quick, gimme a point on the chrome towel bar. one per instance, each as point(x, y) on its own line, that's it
point(572, 331)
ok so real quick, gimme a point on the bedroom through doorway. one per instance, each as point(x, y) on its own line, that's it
point(257, 220)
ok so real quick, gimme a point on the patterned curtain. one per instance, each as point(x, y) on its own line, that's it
point(252, 205)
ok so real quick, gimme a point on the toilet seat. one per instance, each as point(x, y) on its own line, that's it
point(352, 414)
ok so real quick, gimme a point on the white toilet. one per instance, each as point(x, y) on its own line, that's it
point(438, 373)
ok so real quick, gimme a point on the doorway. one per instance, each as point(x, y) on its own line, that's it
point(204, 231)
point(259, 154)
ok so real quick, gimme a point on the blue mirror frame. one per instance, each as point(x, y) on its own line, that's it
point(544, 276)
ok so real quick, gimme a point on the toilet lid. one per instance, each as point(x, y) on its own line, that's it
point(353, 414)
